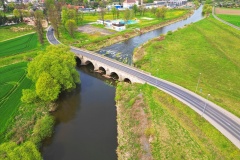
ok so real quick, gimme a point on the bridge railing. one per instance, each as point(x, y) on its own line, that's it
point(112, 60)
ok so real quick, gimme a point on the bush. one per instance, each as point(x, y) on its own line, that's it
point(42, 129)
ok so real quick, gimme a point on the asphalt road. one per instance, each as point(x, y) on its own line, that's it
point(224, 121)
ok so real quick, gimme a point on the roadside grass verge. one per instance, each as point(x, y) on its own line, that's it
point(208, 47)
point(12, 31)
point(96, 40)
point(18, 45)
point(233, 19)
point(175, 131)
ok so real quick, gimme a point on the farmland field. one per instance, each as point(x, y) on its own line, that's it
point(233, 19)
point(18, 45)
point(13, 31)
point(228, 11)
point(12, 81)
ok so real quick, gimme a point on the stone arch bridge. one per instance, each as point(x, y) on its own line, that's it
point(108, 71)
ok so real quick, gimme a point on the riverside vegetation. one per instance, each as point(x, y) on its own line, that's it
point(25, 125)
point(154, 125)
point(208, 47)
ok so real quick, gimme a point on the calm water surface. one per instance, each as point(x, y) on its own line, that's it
point(86, 126)
point(86, 122)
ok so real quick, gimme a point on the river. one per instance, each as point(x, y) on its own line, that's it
point(86, 127)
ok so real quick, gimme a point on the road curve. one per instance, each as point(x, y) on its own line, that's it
point(227, 123)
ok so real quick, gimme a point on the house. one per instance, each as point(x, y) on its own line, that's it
point(130, 3)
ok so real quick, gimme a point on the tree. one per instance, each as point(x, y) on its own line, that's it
point(161, 12)
point(64, 15)
point(54, 18)
point(27, 150)
point(102, 13)
point(53, 72)
point(128, 14)
point(71, 26)
point(114, 12)
point(154, 10)
point(16, 13)
point(38, 15)
point(135, 9)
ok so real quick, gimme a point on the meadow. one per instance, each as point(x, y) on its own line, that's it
point(233, 19)
point(208, 47)
point(18, 45)
point(173, 130)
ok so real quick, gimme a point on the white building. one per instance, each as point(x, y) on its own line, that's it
point(130, 3)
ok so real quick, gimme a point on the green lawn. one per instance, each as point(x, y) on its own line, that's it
point(234, 19)
point(208, 47)
point(13, 80)
point(18, 45)
point(174, 130)
point(12, 31)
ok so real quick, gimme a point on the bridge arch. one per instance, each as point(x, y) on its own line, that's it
point(127, 80)
point(78, 61)
point(114, 75)
point(102, 70)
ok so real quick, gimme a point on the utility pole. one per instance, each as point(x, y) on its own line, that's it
point(198, 82)
point(205, 106)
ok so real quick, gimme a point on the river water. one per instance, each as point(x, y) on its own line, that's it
point(123, 51)
point(86, 127)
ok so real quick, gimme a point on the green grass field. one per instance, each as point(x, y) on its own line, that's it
point(174, 130)
point(233, 19)
point(13, 80)
point(18, 45)
point(208, 47)
point(12, 31)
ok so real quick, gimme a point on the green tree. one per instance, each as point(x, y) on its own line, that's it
point(53, 71)
point(154, 10)
point(102, 13)
point(135, 9)
point(64, 15)
point(12, 151)
point(71, 26)
point(128, 14)
point(161, 12)
point(16, 13)
point(38, 17)
point(114, 12)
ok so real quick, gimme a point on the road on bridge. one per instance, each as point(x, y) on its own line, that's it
point(227, 123)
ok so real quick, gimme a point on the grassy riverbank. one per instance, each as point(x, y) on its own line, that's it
point(96, 40)
point(153, 125)
point(208, 47)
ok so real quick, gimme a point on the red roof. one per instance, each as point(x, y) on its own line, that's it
point(129, 1)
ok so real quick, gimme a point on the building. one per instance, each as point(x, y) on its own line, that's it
point(130, 3)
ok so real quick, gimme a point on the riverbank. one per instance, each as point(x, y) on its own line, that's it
point(154, 125)
point(123, 36)
point(208, 47)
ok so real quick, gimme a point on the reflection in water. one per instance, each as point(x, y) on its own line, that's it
point(123, 51)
